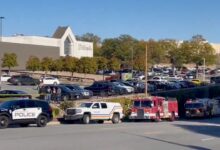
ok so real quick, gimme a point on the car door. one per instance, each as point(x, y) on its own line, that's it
point(18, 110)
point(105, 111)
point(32, 110)
point(96, 111)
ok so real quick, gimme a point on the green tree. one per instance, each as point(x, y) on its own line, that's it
point(46, 64)
point(9, 60)
point(114, 64)
point(101, 63)
point(87, 65)
point(33, 63)
point(70, 64)
point(57, 64)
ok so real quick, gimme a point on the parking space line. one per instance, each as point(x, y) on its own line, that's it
point(207, 139)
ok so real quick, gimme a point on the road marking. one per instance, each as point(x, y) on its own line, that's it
point(207, 139)
point(154, 133)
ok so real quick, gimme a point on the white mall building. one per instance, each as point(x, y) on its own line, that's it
point(62, 43)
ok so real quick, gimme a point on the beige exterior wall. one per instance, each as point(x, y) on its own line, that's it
point(24, 51)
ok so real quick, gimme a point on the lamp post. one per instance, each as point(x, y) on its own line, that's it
point(203, 69)
point(1, 18)
point(146, 94)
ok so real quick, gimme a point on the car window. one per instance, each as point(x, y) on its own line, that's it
point(96, 106)
point(137, 103)
point(19, 104)
point(104, 105)
point(30, 104)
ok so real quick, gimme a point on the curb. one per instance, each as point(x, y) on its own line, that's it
point(53, 123)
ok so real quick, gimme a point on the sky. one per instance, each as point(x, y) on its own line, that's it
point(142, 19)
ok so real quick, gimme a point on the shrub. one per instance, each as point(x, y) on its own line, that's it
point(125, 103)
point(56, 112)
point(67, 104)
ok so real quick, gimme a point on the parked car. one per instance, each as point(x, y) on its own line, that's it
point(97, 111)
point(23, 80)
point(76, 88)
point(66, 93)
point(13, 93)
point(129, 89)
point(102, 88)
point(5, 77)
point(50, 80)
point(25, 112)
point(215, 79)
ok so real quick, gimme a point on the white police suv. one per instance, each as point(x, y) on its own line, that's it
point(25, 112)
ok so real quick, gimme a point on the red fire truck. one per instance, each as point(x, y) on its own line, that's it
point(203, 107)
point(154, 108)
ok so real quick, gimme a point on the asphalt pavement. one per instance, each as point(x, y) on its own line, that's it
point(197, 134)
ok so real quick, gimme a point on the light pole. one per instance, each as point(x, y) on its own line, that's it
point(146, 94)
point(1, 18)
point(203, 69)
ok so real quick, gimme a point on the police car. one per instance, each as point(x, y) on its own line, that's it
point(25, 112)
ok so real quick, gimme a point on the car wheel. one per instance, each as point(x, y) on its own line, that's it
point(65, 98)
point(24, 124)
point(102, 93)
point(4, 121)
point(172, 117)
point(115, 119)
point(41, 121)
point(86, 119)
point(19, 83)
point(55, 83)
point(157, 119)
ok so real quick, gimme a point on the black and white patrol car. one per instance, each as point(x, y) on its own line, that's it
point(25, 112)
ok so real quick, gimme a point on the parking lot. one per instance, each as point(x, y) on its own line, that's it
point(182, 135)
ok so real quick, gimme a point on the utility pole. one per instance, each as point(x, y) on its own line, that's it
point(146, 94)
point(204, 69)
point(1, 18)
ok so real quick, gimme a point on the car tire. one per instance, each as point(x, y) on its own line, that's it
point(172, 117)
point(42, 121)
point(86, 119)
point(102, 93)
point(55, 83)
point(157, 119)
point(65, 98)
point(4, 122)
point(115, 118)
point(19, 84)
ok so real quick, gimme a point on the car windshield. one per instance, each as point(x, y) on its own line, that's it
point(146, 103)
point(20, 92)
point(87, 105)
point(193, 105)
point(76, 87)
point(5, 105)
point(65, 89)
point(137, 103)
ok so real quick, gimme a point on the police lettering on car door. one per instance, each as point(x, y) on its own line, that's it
point(24, 110)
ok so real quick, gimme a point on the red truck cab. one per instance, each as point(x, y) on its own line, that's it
point(154, 108)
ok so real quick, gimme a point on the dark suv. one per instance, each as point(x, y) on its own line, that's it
point(23, 80)
point(25, 112)
point(66, 93)
point(102, 88)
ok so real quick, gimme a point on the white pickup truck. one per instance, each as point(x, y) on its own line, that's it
point(98, 111)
